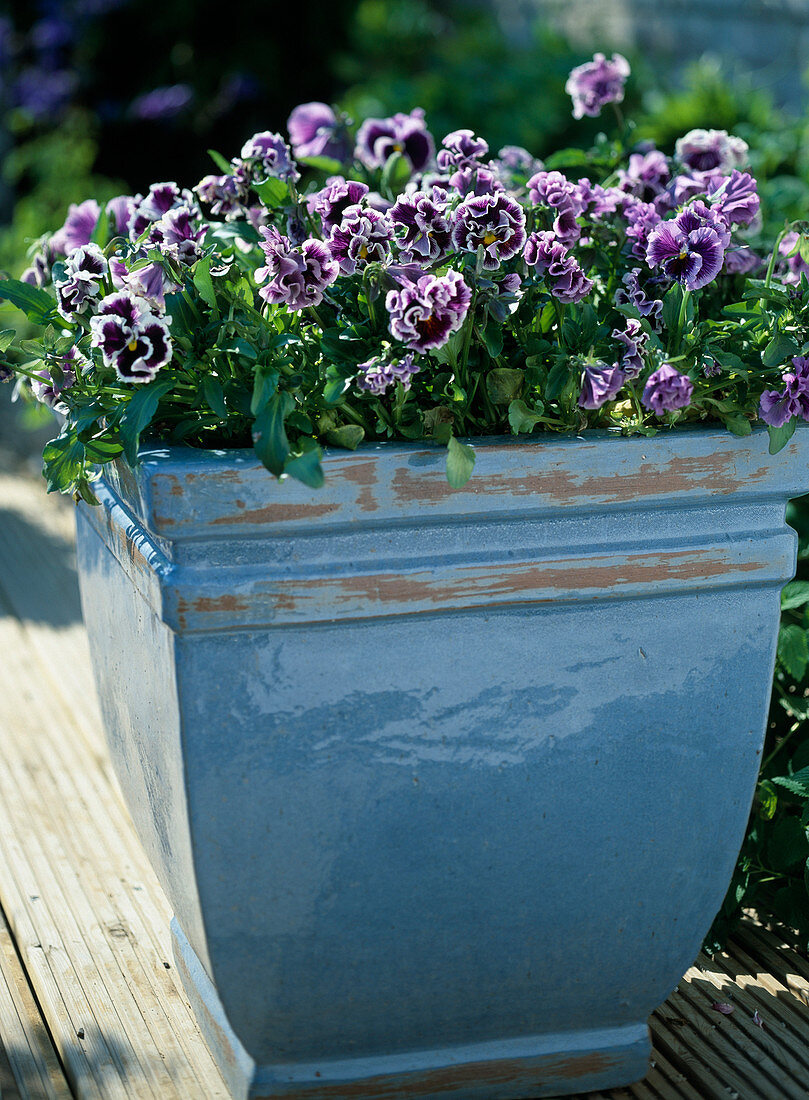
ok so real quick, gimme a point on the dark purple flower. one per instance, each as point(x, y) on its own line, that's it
point(565, 198)
point(132, 339)
point(795, 264)
point(333, 200)
point(379, 373)
point(178, 235)
point(563, 275)
point(162, 103)
point(711, 151)
point(461, 149)
point(633, 294)
point(295, 277)
point(741, 260)
point(161, 198)
point(378, 138)
point(315, 131)
point(641, 220)
point(634, 340)
point(475, 181)
point(425, 220)
point(735, 197)
point(603, 202)
point(666, 390)
point(150, 282)
point(361, 238)
point(82, 283)
point(646, 175)
point(596, 83)
point(226, 195)
point(495, 222)
point(692, 256)
point(777, 408)
point(698, 216)
point(78, 229)
point(599, 384)
point(424, 314)
point(267, 154)
point(49, 384)
point(120, 209)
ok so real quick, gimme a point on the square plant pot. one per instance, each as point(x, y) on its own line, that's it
point(432, 777)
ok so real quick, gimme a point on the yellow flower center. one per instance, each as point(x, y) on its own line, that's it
point(132, 345)
point(684, 254)
point(490, 238)
point(364, 252)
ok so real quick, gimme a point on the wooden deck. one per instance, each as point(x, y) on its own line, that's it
point(90, 1004)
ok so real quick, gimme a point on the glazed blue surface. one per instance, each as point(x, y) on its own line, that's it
point(432, 777)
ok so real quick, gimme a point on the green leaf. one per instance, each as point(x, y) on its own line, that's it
point(779, 437)
point(504, 384)
point(738, 424)
point(269, 435)
point(306, 467)
point(787, 844)
point(215, 395)
point(730, 361)
point(138, 414)
point(220, 162)
point(264, 386)
point(6, 337)
point(767, 800)
point(571, 158)
point(797, 783)
point(521, 418)
point(672, 302)
point(395, 174)
point(493, 338)
point(460, 462)
point(558, 378)
point(328, 165)
point(793, 651)
point(779, 349)
point(204, 283)
point(795, 594)
point(347, 435)
point(33, 301)
point(63, 461)
point(273, 193)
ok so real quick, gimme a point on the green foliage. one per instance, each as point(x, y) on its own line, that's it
point(772, 874)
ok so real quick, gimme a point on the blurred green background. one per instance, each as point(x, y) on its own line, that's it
point(101, 97)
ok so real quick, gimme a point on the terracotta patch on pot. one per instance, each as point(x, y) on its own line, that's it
point(714, 473)
point(276, 513)
point(363, 475)
point(452, 1079)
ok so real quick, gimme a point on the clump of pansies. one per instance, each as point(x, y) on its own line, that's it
point(368, 282)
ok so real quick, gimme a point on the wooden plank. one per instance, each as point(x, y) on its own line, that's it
point(31, 1066)
point(79, 840)
point(775, 955)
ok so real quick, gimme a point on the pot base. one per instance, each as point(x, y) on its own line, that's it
point(509, 1069)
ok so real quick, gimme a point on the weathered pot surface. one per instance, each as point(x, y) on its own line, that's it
point(432, 777)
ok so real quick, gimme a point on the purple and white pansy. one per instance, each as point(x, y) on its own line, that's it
point(132, 339)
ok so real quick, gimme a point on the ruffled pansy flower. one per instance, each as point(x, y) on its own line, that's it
point(48, 384)
point(495, 223)
point(178, 235)
point(424, 314)
point(667, 390)
point(796, 266)
point(379, 374)
point(362, 237)
point(80, 224)
point(563, 275)
point(267, 154)
point(81, 286)
point(692, 256)
point(331, 202)
point(776, 408)
point(422, 223)
point(295, 276)
point(600, 383)
point(633, 340)
point(711, 151)
point(133, 339)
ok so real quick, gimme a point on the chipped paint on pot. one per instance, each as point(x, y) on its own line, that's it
point(424, 772)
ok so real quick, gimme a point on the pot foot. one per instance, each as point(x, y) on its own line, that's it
point(510, 1069)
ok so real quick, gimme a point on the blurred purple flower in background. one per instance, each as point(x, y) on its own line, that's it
point(378, 138)
point(162, 103)
point(596, 83)
point(78, 229)
point(315, 131)
point(711, 151)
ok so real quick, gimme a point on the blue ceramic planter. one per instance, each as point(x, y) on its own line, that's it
point(431, 777)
